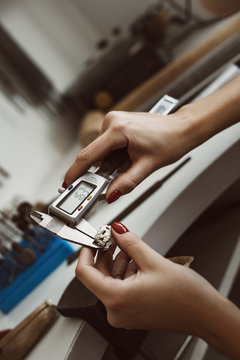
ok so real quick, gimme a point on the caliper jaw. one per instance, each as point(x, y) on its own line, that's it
point(65, 232)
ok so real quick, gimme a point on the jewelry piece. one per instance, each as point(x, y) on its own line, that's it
point(103, 237)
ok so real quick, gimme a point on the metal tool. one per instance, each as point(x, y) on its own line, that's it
point(66, 214)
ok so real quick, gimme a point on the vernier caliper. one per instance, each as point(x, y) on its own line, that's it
point(65, 217)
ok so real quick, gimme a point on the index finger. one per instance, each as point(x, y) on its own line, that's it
point(94, 152)
point(91, 277)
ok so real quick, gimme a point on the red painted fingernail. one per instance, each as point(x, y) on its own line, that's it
point(119, 227)
point(64, 185)
point(113, 196)
point(4, 333)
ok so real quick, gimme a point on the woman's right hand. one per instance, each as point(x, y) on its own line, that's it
point(154, 140)
point(151, 141)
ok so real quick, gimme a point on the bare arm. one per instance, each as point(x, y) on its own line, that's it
point(154, 140)
point(201, 120)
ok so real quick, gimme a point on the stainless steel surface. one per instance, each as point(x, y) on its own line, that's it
point(164, 106)
point(98, 184)
point(65, 232)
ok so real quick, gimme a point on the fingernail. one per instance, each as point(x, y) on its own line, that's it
point(4, 333)
point(64, 185)
point(113, 196)
point(119, 227)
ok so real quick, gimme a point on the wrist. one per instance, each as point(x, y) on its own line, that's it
point(199, 121)
point(220, 326)
point(190, 128)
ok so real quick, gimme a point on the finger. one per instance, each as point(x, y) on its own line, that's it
point(87, 254)
point(131, 269)
point(120, 265)
point(104, 261)
point(94, 152)
point(144, 256)
point(91, 277)
point(128, 180)
point(125, 166)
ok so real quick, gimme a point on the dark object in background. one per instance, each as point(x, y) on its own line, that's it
point(234, 295)
point(78, 302)
point(152, 25)
point(24, 208)
point(123, 66)
point(19, 75)
point(127, 64)
point(4, 173)
point(131, 60)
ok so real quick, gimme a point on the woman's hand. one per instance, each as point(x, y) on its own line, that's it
point(141, 289)
point(151, 141)
point(155, 140)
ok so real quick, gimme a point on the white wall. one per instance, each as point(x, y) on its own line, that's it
point(60, 35)
point(36, 151)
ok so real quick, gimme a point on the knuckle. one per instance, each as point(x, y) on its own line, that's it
point(114, 320)
point(110, 116)
point(114, 120)
point(129, 184)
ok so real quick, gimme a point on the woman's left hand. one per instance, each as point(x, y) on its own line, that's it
point(142, 289)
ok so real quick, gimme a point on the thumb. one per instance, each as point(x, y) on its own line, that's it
point(134, 247)
point(128, 180)
point(94, 152)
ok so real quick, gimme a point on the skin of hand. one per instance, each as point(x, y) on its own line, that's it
point(154, 140)
point(143, 290)
point(147, 151)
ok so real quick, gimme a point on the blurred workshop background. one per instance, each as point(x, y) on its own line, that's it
point(63, 65)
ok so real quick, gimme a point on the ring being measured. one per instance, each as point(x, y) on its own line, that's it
point(104, 237)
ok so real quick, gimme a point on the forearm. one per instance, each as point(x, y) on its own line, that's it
point(199, 121)
point(222, 328)
point(154, 140)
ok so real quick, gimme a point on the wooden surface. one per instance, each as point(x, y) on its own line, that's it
point(177, 67)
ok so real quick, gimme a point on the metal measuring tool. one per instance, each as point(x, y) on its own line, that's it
point(65, 216)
